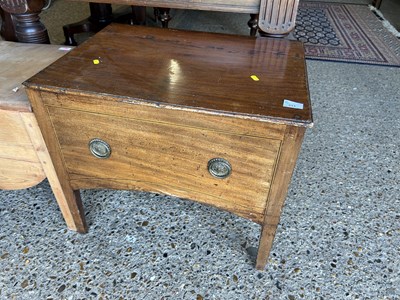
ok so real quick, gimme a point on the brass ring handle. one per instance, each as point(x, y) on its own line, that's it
point(219, 167)
point(99, 148)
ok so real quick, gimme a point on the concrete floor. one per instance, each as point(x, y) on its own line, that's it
point(339, 235)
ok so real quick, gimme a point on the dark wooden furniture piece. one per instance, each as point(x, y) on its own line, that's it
point(22, 22)
point(271, 18)
point(7, 30)
point(377, 3)
point(198, 115)
point(101, 15)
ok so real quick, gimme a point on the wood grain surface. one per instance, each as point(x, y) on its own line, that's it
point(18, 62)
point(71, 198)
point(238, 6)
point(286, 163)
point(19, 165)
point(128, 108)
point(167, 102)
point(167, 158)
point(190, 70)
point(38, 143)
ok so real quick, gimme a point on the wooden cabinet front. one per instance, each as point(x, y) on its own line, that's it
point(172, 112)
point(165, 156)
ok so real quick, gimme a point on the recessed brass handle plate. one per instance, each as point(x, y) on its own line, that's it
point(219, 168)
point(99, 148)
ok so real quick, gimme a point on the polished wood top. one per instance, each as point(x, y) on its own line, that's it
point(187, 70)
point(19, 62)
point(235, 6)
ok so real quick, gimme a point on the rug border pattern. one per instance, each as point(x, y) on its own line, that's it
point(363, 47)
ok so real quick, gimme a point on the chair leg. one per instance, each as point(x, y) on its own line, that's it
point(253, 24)
point(7, 27)
point(100, 17)
point(138, 15)
point(377, 3)
point(164, 16)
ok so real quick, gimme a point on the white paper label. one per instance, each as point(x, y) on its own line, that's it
point(292, 104)
point(65, 48)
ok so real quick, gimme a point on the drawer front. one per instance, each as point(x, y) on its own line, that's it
point(167, 158)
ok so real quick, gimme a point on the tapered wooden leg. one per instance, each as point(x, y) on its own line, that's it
point(68, 200)
point(288, 154)
point(266, 239)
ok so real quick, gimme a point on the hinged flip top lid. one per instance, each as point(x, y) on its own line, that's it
point(258, 78)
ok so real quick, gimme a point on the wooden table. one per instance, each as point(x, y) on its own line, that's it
point(273, 18)
point(24, 159)
point(270, 18)
point(21, 21)
point(276, 17)
point(200, 116)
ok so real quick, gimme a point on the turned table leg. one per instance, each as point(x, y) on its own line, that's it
point(29, 29)
point(100, 17)
point(25, 16)
point(277, 18)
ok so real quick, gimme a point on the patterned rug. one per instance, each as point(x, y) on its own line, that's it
point(345, 33)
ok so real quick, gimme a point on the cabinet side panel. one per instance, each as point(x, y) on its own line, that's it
point(19, 165)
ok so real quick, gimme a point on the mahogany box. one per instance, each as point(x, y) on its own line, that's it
point(213, 118)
